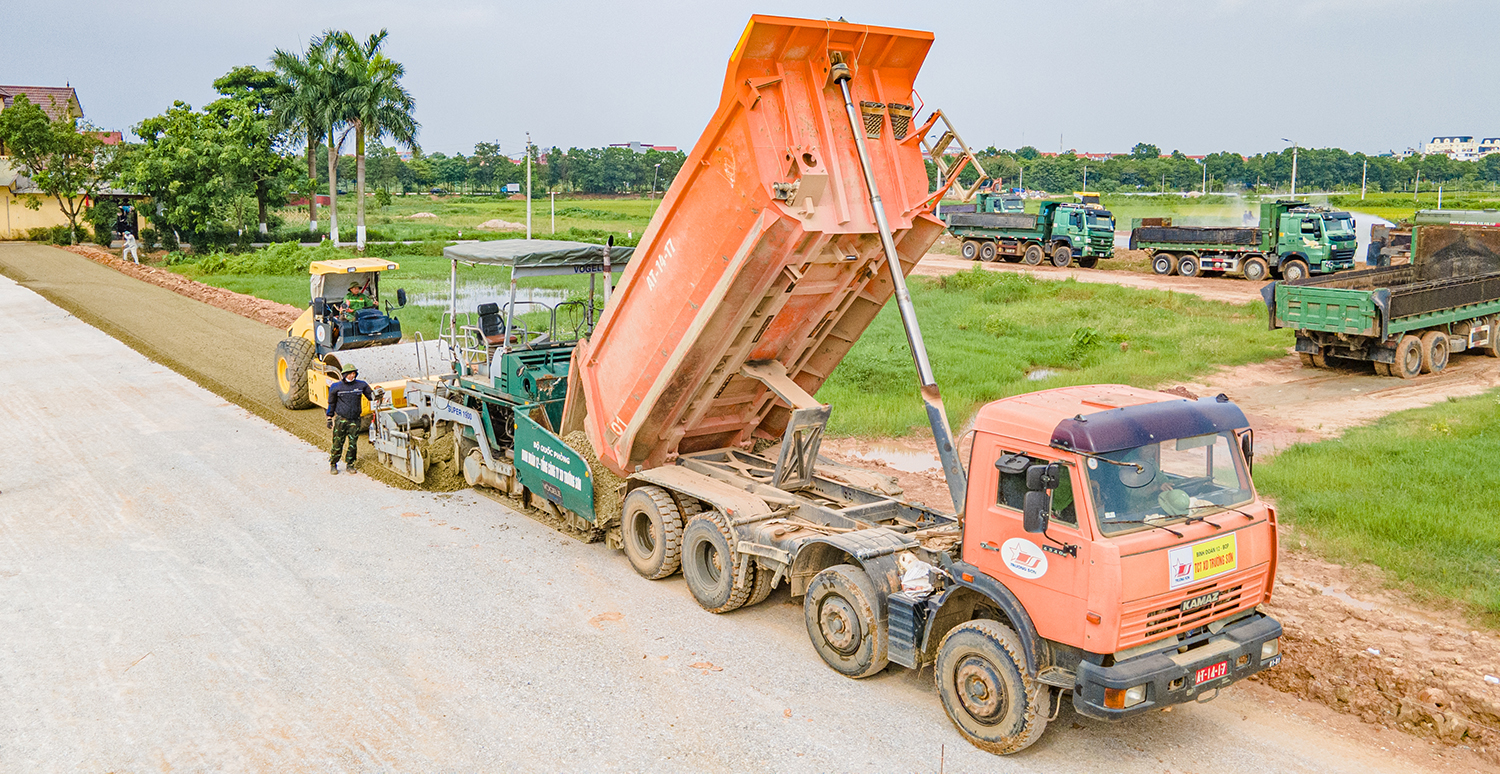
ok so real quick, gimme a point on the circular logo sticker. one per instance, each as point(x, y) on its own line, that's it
point(1024, 558)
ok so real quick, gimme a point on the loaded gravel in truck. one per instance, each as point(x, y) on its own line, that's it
point(1292, 241)
point(1104, 543)
point(1406, 319)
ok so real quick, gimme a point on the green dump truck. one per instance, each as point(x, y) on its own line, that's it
point(1390, 244)
point(1404, 319)
point(1293, 241)
point(1060, 231)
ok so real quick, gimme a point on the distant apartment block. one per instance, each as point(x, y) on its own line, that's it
point(642, 147)
point(1462, 147)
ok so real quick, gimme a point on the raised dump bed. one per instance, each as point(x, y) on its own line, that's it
point(764, 264)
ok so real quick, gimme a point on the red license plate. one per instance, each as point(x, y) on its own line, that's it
point(1211, 673)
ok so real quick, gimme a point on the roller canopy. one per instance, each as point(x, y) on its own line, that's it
point(1131, 426)
point(540, 257)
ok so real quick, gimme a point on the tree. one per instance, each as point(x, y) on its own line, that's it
point(1145, 151)
point(249, 99)
point(67, 162)
point(187, 163)
point(318, 102)
point(298, 107)
point(375, 105)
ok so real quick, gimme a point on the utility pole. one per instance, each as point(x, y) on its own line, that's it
point(1085, 178)
point(553, 194)
point(1022, 185)
point(1205, 176)
point(1294, 164)
point(1363, 176)
point(528, 185)
point(1417, 186)
point(1440, 196)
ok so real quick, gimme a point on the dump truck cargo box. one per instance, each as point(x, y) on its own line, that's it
point(1235, 236)
point(993, 220)
point(763, 265)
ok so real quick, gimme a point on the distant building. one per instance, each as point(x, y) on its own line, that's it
point(1462, 147)
point(56, 101)
point(641, 147)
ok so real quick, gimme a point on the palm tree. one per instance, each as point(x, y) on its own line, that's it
point(298, 107)
point(319, 84)
point(375, 105)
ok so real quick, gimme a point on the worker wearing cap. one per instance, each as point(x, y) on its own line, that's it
point(344, 409)
point(355, 300)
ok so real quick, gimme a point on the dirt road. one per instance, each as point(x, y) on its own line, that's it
point(1234, 291)
point(187, 589)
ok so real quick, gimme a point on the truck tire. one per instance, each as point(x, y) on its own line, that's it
point(1032, 256)
point(982, 681)
point(1164, 263)
point(293, 357)
point(1062, 256)
point(762, 587)
point(1383, 369)
point(1256, 268)
point(1434, 352)
point(969, 250)
point(1314, 361)
point(711, 566)
point(1493, 348)
point(987, 252)
point(1293, 270)
point(651, 530)
point(843, 620)
point(1408, 363)
point(1187, 265)
point(1088, 262)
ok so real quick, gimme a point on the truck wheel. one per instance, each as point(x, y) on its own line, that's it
point(1314, 361)
point(710, 565)
point(293, 357)
point(1256, 269)
point(1187, 265)
point(982, 680)
point(987, 252)
point(1293, 270)
point(1033, 255)
point(1383, 369)
point(1408, 363)
point(1164, 263)
point(1062, 256)
point(1493, 348)
point(969, 249)
point(1089, 262)
point(1434, 352)
point(651, 529)
point(843, 621)
point(762, 587)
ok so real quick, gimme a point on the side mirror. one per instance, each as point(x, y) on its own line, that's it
point(400, 297)
point(1247, 445)
point(320, 306)
point(1043, 477)
point(1037, 511)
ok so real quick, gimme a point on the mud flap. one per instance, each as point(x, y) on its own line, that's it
point(551, 469)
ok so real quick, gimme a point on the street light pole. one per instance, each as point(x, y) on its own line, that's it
point(528, 185)
point(1364, 175)
point(654, 173)
point(1294, 164)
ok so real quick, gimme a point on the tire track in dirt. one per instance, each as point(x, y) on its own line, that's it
point(223, 352)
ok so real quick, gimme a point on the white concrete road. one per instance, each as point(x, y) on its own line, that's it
point(183, 587)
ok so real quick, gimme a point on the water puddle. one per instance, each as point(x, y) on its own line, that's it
point(904, 460)
point(1343, 596)
point(471, 296)
point(1040, 374)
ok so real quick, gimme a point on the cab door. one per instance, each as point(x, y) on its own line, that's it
point(1047, 572)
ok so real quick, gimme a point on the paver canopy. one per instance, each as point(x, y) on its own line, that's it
point(540, 257)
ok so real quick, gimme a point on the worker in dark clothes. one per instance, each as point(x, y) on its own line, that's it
point(344, 409)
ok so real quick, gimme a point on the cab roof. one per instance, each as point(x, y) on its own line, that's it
point(352, 266)
point(1051, 416)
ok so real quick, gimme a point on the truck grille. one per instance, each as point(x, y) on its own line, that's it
point(1161, 616)
point(1342, 255)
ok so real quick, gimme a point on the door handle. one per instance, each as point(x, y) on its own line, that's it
point(989, 546)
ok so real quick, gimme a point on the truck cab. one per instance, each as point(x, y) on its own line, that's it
point(1126, 524)
point(1309, 240)
point(1088, 230)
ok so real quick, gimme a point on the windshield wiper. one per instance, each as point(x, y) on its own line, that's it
point(1149, 524)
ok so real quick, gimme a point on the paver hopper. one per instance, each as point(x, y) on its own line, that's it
point(764, 263)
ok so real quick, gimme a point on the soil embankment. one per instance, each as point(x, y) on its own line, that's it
point(226, 353)
point(258, 309)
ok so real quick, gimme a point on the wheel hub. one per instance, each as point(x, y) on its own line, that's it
point(979, 690)
point(645, 542)
point(839, 625)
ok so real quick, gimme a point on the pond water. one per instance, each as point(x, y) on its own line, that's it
point(471, 295)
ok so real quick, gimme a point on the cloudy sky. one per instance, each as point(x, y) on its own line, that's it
point(1199, 76)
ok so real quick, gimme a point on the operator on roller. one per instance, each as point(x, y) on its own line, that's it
point(344, 409)
point(356, 299)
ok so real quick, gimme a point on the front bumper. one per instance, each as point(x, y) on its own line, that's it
point(1168, 676)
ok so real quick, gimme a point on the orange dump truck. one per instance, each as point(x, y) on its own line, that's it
point(1104, 542)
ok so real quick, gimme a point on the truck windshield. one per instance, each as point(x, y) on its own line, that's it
point(1101, 220)
point(1164, 483)
point(1340, 224)
point(1012, 205)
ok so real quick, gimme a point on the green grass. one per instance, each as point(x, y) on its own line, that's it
point(624, 218)
point(1414, 494)
point(986, 331)
point(1400, 206)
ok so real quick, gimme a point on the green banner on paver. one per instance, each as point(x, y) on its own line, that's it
point(548, 467)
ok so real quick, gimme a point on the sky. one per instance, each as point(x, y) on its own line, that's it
point(1200, 77)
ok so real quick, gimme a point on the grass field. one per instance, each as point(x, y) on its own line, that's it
point(460, 216)
point(992, 335)
point(1400, 206)
point(1414, 494)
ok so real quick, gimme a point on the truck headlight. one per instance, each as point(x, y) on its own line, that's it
point(1270, 649)
point(1115, 698)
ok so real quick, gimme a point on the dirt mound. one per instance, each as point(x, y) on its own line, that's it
point(502, 225)
point(1387, 662)
point(421, 216)
point(258, 309)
